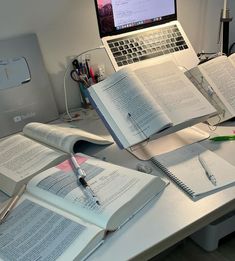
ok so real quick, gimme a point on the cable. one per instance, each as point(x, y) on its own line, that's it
point(231, 48)
point(71, 118)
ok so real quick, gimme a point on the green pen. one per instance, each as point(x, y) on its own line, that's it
point(223, 138)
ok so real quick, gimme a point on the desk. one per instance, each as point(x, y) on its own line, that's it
point(168, 219)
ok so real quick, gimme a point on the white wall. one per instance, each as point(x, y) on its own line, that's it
point(68, 27)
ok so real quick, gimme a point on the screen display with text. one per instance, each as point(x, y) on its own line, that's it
point(124, 15)
point(134, 11)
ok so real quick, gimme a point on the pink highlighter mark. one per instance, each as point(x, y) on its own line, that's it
point(233, 131)
point(66, 165)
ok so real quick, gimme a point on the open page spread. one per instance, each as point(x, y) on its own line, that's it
point(20, 158)
point(120, 191)
point(174, 92)
point(61, 137)
point(128, 108)
point(37, 231)
point(152, 100)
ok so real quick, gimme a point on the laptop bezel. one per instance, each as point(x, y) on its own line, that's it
point(165, 19)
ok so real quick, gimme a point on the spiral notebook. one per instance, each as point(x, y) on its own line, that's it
point(184, 168)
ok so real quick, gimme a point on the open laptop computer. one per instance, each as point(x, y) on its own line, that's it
point(135, 31)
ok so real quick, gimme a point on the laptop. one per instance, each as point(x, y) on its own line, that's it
point(136, 31)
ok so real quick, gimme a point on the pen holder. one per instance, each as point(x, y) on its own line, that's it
point(84, 98)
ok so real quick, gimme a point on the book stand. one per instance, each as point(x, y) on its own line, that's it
point(147, 150)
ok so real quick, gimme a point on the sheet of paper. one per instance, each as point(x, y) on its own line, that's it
point(185, 166)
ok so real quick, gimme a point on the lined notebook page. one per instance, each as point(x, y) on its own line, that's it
point(183, 167)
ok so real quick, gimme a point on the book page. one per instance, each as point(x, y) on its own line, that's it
point(207, 88)
point(128, 108)
point(37, 231)
point(171, 89)
point(222, 73)
point(115, 187)
point(21, 157)
point(62, 138)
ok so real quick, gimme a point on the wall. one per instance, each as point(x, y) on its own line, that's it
point(68, 27)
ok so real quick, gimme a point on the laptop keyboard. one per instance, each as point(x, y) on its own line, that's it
point(145, 45)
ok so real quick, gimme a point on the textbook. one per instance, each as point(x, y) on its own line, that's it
point(184, 166)
point(39, 147)
point(215, 79)
point(148, 102)
point(55, 219)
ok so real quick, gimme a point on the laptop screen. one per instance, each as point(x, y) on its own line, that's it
point(119, 16)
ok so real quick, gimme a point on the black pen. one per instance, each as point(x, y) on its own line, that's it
point(81, 179)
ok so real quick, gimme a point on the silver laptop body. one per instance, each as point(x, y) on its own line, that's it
point(134, 33)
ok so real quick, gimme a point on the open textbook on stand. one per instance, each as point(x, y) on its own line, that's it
point(39, 147)
point(61, 222)
point(183, 166)
point(150, 101)
point(215, 79)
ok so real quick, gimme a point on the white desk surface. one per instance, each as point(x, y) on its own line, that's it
point(169, 218)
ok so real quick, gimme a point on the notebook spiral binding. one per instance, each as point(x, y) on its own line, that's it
point(173, 177)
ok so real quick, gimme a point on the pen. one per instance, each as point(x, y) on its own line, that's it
point(210, 176)
point(11, 204)
point(80, 173)
point(136, 123)
point(222, 138)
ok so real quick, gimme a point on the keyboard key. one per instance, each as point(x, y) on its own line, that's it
point(117, 54)
point(180, 43)
point(148, 56)
point(120, 58)
point(113, 50)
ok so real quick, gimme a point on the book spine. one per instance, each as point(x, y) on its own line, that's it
point(104, 120)
point(178, 182)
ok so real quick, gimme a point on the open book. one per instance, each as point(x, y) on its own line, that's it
point(184, 167)
point(61, 222)
point(39, 147)
point(216, 81)
point(150, 101)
